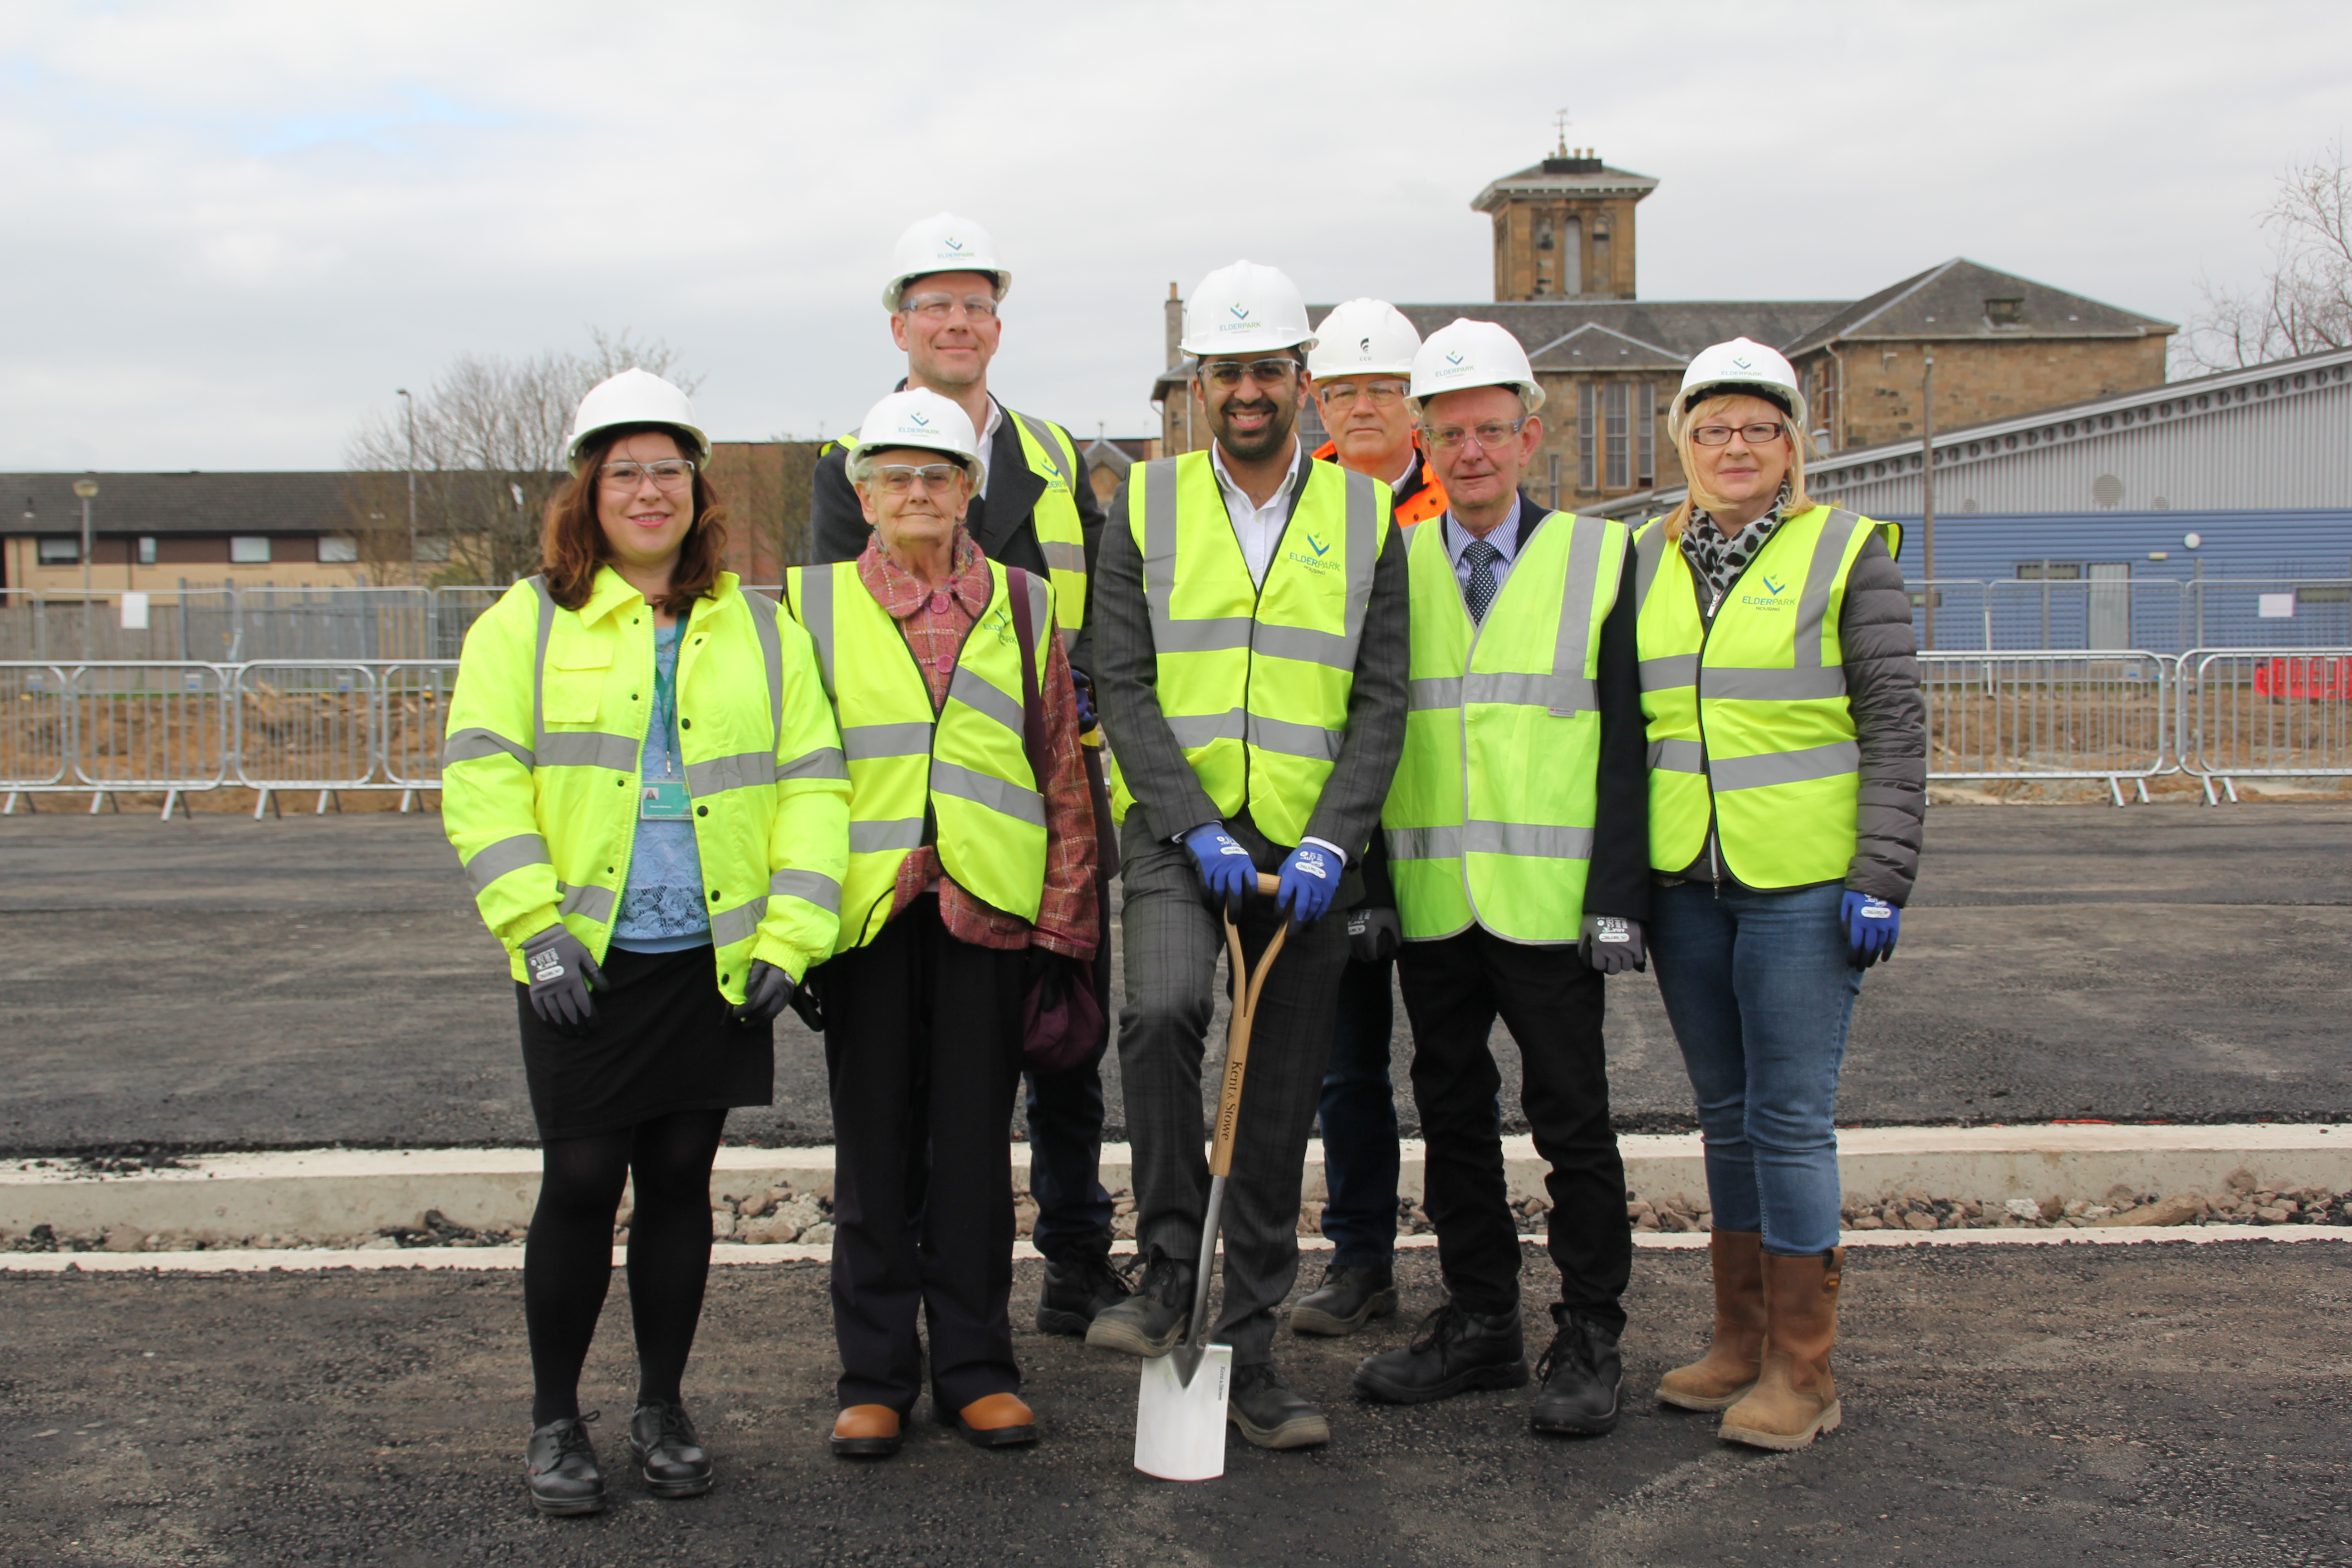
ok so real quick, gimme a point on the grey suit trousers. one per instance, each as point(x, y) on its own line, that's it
point(1172, 944)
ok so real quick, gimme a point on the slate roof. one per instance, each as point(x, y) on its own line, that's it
point(1950, 302)
point(283, 502)
point(1563, 176)
point(1623, 334)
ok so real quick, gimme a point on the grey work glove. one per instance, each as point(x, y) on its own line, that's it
point(560, 972)
point(767, 991)
point(1373, 934)
point(1613, 944)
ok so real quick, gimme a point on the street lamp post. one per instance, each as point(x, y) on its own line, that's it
point(409, 404)
point(1927, 489)
point(85, 489)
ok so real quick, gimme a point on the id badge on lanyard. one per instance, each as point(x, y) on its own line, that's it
point(664, 800)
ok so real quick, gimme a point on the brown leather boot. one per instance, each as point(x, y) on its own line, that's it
point(867, 1431)
point(1717, 1380)
point(1795, 1399)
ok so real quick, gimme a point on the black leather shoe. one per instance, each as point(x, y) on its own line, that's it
point(1269, 1415)
point(1150, 1322)
point(1076, 1292)
point(1582, 1375)
point(1349, 1297)
point(560, 1467)
point(672, 1458)
point(1455, 1351)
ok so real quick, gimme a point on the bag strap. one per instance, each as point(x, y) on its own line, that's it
point(1032, 718)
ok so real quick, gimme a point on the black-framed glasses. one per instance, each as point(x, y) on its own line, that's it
point(669, 474)
point(940, 306)
point(898, 478)
point(1227, 373)
point(1755, 435)
point(1493, 434)
point(1339, 394)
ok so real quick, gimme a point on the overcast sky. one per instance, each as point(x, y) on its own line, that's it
point(232, 229)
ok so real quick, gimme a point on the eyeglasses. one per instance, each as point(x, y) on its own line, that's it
point(898, 478)
point(1493, 434)
point(1754, 435)
point(940, 306)
point(669, 474)
point(1341, 394)
point(1227, 372)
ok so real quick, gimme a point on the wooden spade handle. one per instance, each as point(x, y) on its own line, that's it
point(1246, 986)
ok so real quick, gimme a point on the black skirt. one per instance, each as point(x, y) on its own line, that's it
point(662, 1041)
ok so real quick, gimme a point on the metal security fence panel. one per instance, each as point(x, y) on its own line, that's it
point(363, 623)
point(412, 705)
point(1959, 614)
point(305, 726)
point(35, 729)
point(2048, 714)
point(182, 626)
point(2267, 712)
point(455, 611)
point(150, 726)
point(2095, 613)
point(2255, 613)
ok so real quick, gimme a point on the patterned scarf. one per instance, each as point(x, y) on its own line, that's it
point(1718, 560)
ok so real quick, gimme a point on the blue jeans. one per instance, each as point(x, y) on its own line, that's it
point(1065, 1123)
point(1760, 991)
point(1360, 1123)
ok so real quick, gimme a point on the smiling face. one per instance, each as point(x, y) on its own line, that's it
point(920, 518)
point(1253, 418)
point(1739, 472)
point(643, 523)
point(1370, 421)
point(947, 323)
point(1474, 476)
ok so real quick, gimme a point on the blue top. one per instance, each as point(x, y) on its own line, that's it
point(662, 908)
point(1505, 540)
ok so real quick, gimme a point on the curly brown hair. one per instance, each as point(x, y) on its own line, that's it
point(572, 542)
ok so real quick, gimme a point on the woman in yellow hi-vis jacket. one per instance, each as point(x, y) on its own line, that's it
point(644, 780)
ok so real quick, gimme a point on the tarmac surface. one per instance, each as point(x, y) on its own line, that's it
point(2083, 1405)
point(225, 983)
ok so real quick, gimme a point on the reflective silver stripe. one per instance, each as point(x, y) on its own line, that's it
point(588, 748)
point(1041, 597)
point(1069, 636)
point(1056, 454)
point(1746, 685)
point(1334, 651)
point(1530, 840)
point(1362, 514)
point(1404, 532)
point(816, 616)
point(823, 762)
point(860, 743)
point(1425, 843)
point(591, 902)
point(1158, 499)
point(1217, 634)
point(875, 837)
point(1560, 694)
point(764, 611)
point(1837, 531)
point(812, 886)
point(1193, 730)
point(740, 923)
point(1649, 550)
point(492, 861)
point(473, 745)
point(983, 696)
point(1293, 740)
point(745, 770)
point(1829, 762)
point(1434, 691)
point(1061, 555)
point(962, 782)
point(1580, 590)
point(1677, 756)
point(1666, 674)
point(538, 666)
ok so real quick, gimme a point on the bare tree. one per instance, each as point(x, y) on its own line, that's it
point(2304, 303)
point(489, 453)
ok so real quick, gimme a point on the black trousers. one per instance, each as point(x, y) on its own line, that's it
point(1553, 1005)
point(922, 1044)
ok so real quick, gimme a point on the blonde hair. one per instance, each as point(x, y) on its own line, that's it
point(1695, 498)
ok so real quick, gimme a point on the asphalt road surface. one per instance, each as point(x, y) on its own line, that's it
point(2121, 1406)
point(222, 983)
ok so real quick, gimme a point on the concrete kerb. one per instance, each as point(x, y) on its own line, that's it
point(332, 1192)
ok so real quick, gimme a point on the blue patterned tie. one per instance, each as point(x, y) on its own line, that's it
point(1480, 593)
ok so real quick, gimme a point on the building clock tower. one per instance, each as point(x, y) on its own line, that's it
point(1564, 228)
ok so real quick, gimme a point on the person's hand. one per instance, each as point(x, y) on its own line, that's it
point(1373, 934)
point(1226, 874)
point(767, 991)
point(1048, 975)
point(560, 972)
point(808, 999)
point(1083, 685)
point(1871, 926)
point(1613, 944)
point(1310, 879)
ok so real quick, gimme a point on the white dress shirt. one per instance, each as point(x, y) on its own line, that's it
point(988, 444)
point(1505, 539)
point(1258, 528)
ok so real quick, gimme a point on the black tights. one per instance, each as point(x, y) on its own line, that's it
point(567, 1263)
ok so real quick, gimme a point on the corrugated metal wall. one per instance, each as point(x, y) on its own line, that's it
point(1986, 546)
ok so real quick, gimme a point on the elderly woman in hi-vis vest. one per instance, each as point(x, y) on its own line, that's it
point(1788, 779)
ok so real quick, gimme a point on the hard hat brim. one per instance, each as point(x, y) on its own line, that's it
point(896, 294)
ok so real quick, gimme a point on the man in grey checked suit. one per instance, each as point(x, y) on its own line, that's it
point(1253, 683)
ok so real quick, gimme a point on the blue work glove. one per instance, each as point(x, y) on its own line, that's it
point(767, 991)
point(1871, 925)
point(1310, 879)
point(1611, 944)
point(1084, 688)
point(1226, 874)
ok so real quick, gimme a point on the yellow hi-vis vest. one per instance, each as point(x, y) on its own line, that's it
point(1490, 819)
point(540, 773)
point(1254, 681)
point(957, 778)
point(1748, 719)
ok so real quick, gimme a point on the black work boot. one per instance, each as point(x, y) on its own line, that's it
point(1349, 1297)
point(1455, 1351)
point(1151, 1322)
point(560, 1467)
point(1269, 1415)
point(1077, 1292)
point(1582, 1375)
point(668, 1452)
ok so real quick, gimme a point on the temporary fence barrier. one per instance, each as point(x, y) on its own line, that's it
point(2049, 714)
point(2276, 712)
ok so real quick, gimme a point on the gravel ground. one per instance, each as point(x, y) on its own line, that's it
point(2089, 1406)
point(225, 983)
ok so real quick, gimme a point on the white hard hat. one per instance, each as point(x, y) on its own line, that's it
point(922, 418)
point(942, 243)
point(1740, 365)
point(633, 398)
point(1364, 337)
point(1465, 353)
point(1246, 309)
